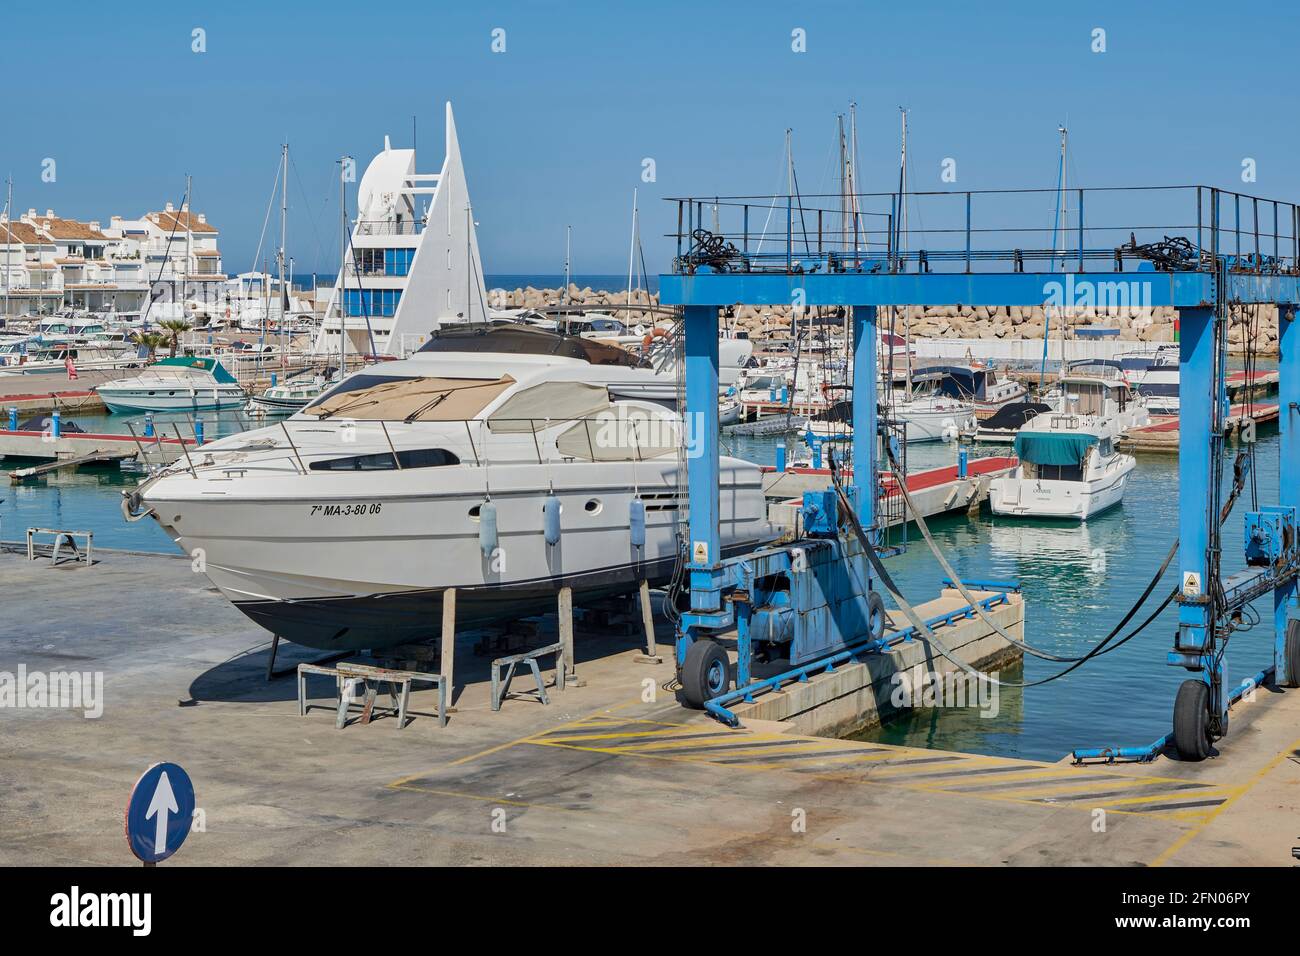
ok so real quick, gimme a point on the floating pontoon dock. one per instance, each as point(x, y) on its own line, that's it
point(1162, 434)
point(935, 490)
point(69, 446)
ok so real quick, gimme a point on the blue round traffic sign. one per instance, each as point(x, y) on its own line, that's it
point(159, 812)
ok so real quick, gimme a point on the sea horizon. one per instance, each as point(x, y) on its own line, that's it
point(600, 282)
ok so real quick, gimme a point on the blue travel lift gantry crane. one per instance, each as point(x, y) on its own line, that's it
point(809, 600)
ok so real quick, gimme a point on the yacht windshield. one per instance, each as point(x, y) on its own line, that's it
point(526, 340)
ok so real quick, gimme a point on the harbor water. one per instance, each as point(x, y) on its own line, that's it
point(1078, 581)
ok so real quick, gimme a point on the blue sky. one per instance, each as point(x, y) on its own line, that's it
point(554, 130)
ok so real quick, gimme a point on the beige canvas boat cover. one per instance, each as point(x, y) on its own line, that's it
point(415, 399)
point(550, 402)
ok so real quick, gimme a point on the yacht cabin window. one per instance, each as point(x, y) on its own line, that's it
point(384, 461)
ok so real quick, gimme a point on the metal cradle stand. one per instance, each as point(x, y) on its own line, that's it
point(504, 668)
point(399, 689)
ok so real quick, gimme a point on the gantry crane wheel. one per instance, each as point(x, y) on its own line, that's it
point(1192, 720)
point(875, 615)
point(1291, 654)
point(706, 673)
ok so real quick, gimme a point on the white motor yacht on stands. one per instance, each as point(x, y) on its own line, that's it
point(503, 474)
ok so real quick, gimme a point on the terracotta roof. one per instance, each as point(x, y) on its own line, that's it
point(180, 221)
point(57, 228)
point(211, 253)
point(21, 232)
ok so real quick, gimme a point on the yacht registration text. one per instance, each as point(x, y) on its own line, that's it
point(344, 511)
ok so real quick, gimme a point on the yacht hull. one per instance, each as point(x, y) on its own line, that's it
point(931, 425)
point(376, 620)
point(153, 400)
point(276, 406)
point(364, 560)
point(1079, 500)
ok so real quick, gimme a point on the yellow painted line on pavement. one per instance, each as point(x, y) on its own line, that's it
point(1263, 772)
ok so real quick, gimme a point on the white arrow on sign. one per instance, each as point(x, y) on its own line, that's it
point(163, 802)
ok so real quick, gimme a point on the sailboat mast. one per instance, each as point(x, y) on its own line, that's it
point(469, 264)
point(846, 188)
point(902, 202)
point(9, 237)
point(853, 213)
point(284, 228)
point(568, 236)
point(266, 305)
point(343, 258)
point(1058, 236)
point(284, 214)
point(853, 175)
point(1060, 226)
point(631, 255)
point(185, 277)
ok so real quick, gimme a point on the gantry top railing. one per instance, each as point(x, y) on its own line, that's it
point(1108, 229)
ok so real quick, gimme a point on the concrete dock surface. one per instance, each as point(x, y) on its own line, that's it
point(611, 772)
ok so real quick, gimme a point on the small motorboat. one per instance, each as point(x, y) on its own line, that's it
point(1069, 468)
point(289, 396)
point(927, 414)
point(179, 384)
point(980, 386)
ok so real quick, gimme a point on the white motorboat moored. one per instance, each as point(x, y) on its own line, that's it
point(1069, 468)
point(286, 397)
point(927, 414)
point(179, 384)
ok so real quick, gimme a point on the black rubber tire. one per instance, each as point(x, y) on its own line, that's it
point(705, 674)
point(875, 615)
point(1291, 654)
point(1192, 720)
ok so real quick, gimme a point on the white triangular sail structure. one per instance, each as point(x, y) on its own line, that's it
point(413, 262)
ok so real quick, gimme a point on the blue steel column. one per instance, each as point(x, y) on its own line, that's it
point(1288, 463)
point(1195, 417)
point(864, 413)
point(704, 549)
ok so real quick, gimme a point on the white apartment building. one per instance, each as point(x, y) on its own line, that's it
point(48, 263)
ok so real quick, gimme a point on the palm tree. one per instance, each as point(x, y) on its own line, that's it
point(174, 329)
point(152, 341)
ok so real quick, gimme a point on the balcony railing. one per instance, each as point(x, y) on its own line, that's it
point(1175, 228)
point(379, 227)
